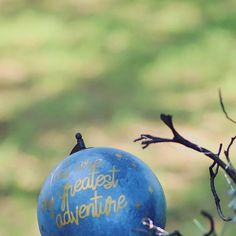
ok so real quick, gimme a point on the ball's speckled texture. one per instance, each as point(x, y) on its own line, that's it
point(100, 192)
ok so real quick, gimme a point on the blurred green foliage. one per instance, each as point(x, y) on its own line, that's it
point(109, 68)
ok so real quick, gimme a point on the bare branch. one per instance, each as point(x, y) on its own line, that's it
point(220, 149)
point(226, 152)
point(223, 108)
point(155, 230)
point(212, 224)
point(213, 170)
point(147, 140)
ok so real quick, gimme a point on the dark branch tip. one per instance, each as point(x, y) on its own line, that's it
point(166, 118)
point(145, 145)
point(139, 139)
point(223, 107)
point(212, 224)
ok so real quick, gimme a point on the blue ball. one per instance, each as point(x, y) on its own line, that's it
point(100, 191)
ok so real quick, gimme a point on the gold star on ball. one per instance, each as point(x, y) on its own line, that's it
point(150, 189)
point(138, 205)
point(118, 155)
point(134, 165)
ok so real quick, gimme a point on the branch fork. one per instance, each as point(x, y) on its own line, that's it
point(147, 139)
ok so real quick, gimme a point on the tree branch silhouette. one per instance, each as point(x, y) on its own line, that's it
point(223, 108)
point(147, 139)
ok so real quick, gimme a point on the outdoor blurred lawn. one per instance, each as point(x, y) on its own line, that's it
point(108, 68)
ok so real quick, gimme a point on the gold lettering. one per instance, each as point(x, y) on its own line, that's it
point(92, 174)
point(108, 182)
point(114, 181)
point(122, 203)
point(108, 205)
point(82, 212)
point(98, 205)
point(95, 164)
point(77, 187)
point(86, 183)
point(94, 209)
point(59, 221)
point(65, 197)
point(95, 204)
point(100, 180)
point(75, 219)
point(90, 182)
point(66, 217)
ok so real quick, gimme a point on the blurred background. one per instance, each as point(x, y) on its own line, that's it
point(108, 68)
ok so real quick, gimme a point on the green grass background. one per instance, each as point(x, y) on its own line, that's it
point(108, 68)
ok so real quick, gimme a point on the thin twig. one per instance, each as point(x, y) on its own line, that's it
point(213, 170)
point(223, 108)
point(212, 224)
point(226, 152)
point(213, 174)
